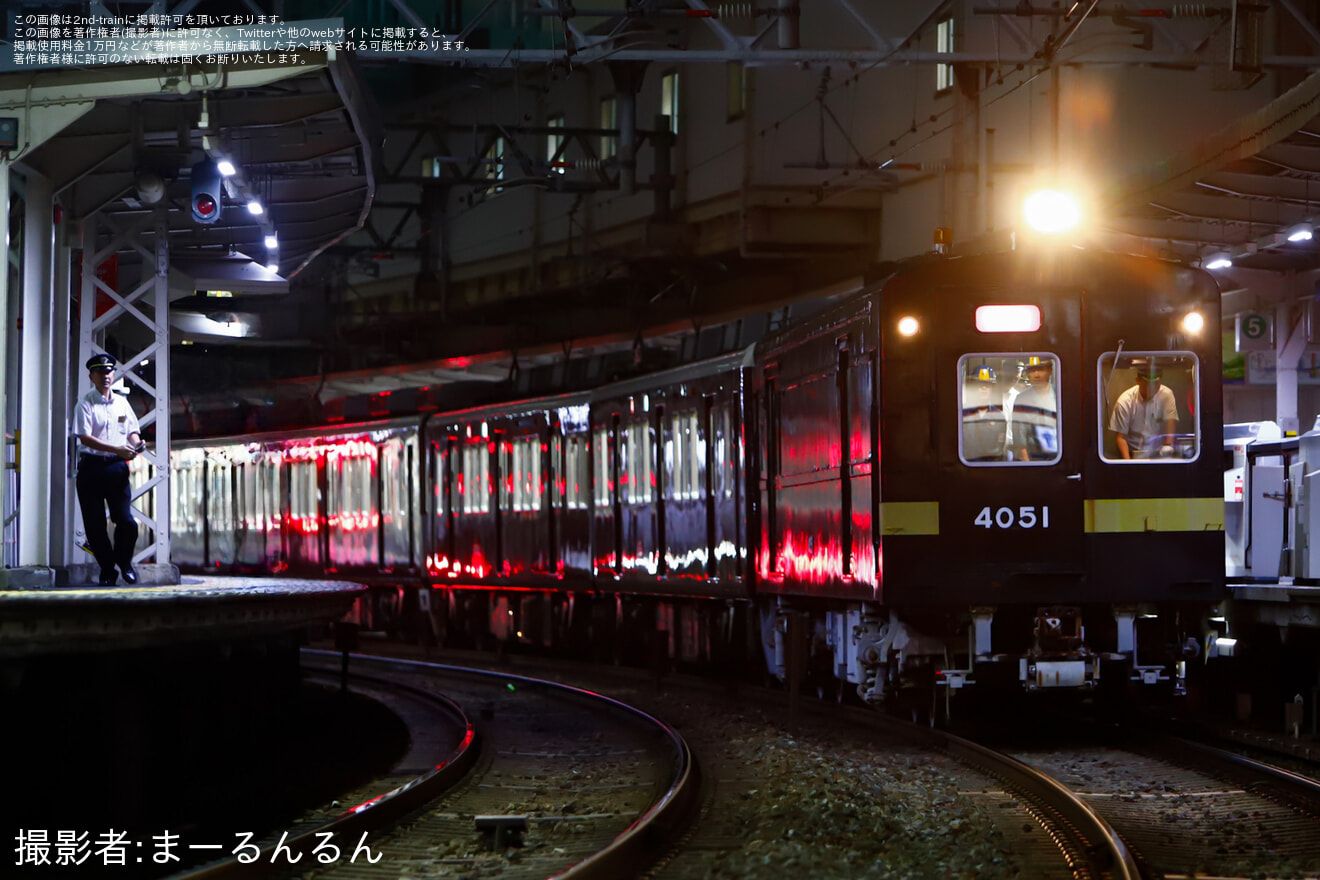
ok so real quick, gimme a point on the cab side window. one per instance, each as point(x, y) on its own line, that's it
point(1149, 403)
point(1008, 409)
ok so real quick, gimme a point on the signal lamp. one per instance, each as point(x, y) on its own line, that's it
point(1193, 322)
point(908, 326)
point(206, 201)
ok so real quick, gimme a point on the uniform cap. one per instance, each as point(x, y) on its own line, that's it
point(101, 360)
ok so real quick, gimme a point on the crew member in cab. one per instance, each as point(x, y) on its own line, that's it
point(1145, 416)
point(984, 424)
point(1036, 414)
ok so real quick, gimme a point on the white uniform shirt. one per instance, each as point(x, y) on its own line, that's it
point(1142, 421)
point(110, 421)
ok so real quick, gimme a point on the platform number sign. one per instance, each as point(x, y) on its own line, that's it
point(1253, 332)
point(1027, 517)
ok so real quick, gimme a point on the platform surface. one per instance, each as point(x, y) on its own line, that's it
point(87, 618)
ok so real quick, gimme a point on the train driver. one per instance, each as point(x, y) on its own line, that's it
point(1144, 417)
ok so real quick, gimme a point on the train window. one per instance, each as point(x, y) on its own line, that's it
point(475, 478)
point(575, 473)
point(1009, 406)
point(641, 468)
point(507, 477)
point(723, 448)
point(1150, 407)
point(437, 467)
point(808, 423)
point(602, 482)
point(684, 458)
point(522, 475)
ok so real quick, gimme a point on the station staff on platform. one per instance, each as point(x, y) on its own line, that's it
point(109, 438)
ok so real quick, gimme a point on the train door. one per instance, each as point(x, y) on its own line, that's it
point(1011, 496)
point(639, 524)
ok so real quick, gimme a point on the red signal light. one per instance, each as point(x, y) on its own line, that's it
point(204, 205)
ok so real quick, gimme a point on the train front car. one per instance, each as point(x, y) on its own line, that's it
point(1051, 484)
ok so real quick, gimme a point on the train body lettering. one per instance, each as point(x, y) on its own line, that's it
point(1006, 518)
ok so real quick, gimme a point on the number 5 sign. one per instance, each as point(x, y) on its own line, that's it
point(1254, 332)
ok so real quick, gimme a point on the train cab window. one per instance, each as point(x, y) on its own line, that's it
point(1009, 408)
point(1150, 405)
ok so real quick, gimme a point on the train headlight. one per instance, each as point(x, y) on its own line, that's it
point(908, 326)
point(1193, 322)
point(1052, 211)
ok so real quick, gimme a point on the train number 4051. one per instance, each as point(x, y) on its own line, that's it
point(1007, 517)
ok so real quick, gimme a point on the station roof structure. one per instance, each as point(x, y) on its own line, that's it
point(309, 146)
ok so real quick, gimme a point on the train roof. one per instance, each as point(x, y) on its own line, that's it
point(300, 433)
point(725, 363)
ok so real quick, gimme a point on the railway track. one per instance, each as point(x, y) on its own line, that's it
point(569, 784)
point(545, 781)
point(1166, 808)
point(1187, 809)
point(859, 792)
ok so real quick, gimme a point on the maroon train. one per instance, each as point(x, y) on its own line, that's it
point(926, 475)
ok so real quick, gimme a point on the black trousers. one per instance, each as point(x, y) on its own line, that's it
point(101, 482)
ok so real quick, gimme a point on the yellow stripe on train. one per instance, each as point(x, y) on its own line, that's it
point(1109, 515)
point(909, 518)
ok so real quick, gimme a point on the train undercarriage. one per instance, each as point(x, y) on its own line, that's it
point(883, 657)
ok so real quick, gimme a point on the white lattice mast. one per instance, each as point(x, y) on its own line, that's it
point(151, 498)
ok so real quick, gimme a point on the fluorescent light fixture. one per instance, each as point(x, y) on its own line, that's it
point(272, 242)
point(225, 167)
point(273, 268)
point(1052, 211)
point(254, 207)
point(1301, 232)
point(1217, 260)
point(908, 326)
point(1007, 319)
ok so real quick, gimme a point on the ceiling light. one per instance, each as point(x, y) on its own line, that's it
point(1301, 232)
point(225, 167)
point(1217, 260)
point(273, 268)
point(254, 207)
point(272, 242)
